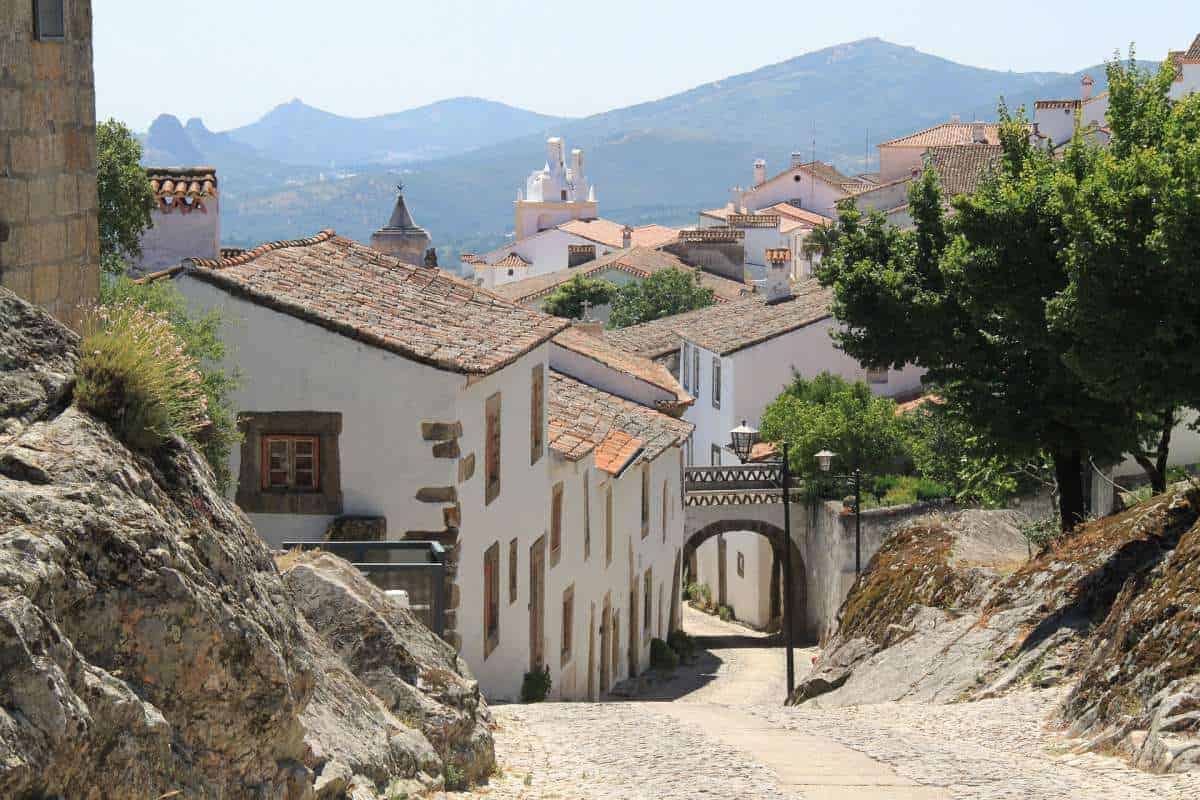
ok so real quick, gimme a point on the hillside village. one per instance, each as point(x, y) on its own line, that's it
point(392, 520)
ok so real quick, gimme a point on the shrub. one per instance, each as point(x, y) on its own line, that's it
point(135, 375)
point(536, 686)
point(725, 613)
point(883, 484)
point(662, 655)
point(927, 489)
point(683, 645)
point(1042, 533)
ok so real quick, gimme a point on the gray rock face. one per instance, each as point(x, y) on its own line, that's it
point(147, 641)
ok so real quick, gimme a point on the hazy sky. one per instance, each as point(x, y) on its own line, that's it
point(229, 61)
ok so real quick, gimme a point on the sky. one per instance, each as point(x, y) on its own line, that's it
point(231, 61)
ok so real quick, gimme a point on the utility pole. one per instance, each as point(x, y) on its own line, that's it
point(788, 622)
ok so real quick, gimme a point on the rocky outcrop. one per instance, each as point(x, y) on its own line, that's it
point(952, 609)
point(149, 645)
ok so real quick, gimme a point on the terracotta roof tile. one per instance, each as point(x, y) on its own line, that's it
point(947, 133)
point(611, 234)
point(510, 260)
point(1194, 50)
point(641, 262)
point(423, 314)
point(183, 188)
point(652, 339)
point(583, 418)
point(960, 168)
point(602, 350)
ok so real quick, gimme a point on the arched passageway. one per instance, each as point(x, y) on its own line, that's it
point(778, 540)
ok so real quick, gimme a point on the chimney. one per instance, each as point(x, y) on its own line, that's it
point(1086, 85)
point(760, 172)
point(778, 285)
point(626, 237)
point(978, 133)
point(797, 159)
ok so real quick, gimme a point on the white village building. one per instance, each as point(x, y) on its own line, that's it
point(1187, 70)
point(381, 391)
point(185, 221)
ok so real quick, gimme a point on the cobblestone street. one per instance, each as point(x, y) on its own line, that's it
point(718, 729)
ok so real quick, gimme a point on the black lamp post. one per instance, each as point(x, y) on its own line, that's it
point(825, 461)
point(742, 440)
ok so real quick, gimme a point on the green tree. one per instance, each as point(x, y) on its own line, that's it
point(828, 412)
point(965, 297)
point(665, 293)
point(124, 194)
point(568, 299)
point(821, 241)
point(201, 337)
point(1132, 211)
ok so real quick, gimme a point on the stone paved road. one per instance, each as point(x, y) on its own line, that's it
point(725, 735)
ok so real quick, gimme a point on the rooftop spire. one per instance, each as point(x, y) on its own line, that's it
point(401, 219)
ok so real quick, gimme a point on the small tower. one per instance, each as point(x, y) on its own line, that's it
point(1085, 87)
point(402, 237)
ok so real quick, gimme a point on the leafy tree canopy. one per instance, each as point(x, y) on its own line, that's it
point(124, 194)
point(829, 413)
point(568, 299)
point(665, 293)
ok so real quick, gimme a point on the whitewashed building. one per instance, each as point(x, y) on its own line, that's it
point(399, 394)
point(185, 221)
point(1187, 70)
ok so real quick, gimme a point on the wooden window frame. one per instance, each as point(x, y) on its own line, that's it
point(645, 500)
point(513, 575)
point(256, 428)
point(587, 516)
point(537, 414)
point(556, 522)
point(716, 382)
point(608, 524)
point(491, 599)
point(567, 643)
point(492, 448)
point(40, 35)
point(291, 440)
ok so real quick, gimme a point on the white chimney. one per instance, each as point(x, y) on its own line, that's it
point(778, 285)
point(760, 172)
point(626, 237)
point(1086, 85)
point(797, 159)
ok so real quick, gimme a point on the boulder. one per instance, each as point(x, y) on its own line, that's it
point(148, 643)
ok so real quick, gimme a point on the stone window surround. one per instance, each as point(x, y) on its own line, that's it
point(492, 445)
point(253, 498)
point(51, 8)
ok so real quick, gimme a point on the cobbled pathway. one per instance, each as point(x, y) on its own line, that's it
point(657, 751)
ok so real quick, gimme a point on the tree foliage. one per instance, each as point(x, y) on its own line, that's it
point(200, 335)
point(830, 413)
point(665, 293)
point(568, 299)
point(124, 194)
point(965, 296)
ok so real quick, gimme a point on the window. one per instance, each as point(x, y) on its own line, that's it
point(608, 524)
point(665, 504)
point(685, 363)
point(587, 518)
point(648, 610)
point(716, 455)
point(716, 383)
point(290, 463)
point(537, 417)
point(491, 599)
point(556, 512)
point(512, 572)
point(568, 623)
point(695, 371)
point(49, 20)
point(741, 565)
point(492, 449)
point(645, 500)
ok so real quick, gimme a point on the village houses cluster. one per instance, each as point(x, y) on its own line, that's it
point(387, 399)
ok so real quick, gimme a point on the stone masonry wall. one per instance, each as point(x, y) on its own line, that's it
point(49, 235)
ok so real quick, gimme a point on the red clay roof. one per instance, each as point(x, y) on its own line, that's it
point(583, 418)
point(420, 313)
point(611, 234)
point(640, 367)
point(947, 133)
point(960, 168)
point(180, 182)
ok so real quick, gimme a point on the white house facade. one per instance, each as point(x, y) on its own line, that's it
point(185, 221)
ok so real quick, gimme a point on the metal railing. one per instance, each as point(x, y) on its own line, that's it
point(422, 573)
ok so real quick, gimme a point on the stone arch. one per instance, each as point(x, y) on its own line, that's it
point(778, 539)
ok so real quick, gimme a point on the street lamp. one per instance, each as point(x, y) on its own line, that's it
point(742, 440)
point(825, 461)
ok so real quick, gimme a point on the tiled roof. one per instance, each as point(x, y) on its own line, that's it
point(652, 339)
point(583, 418)
point(947, 133)
point(1076, 103)
point(640, 262)
point(1194, 50)
point(419, 313)
point(510, 260)
point(180, 182)
point(960, 168)
point(793, 216)
point(470, 258)
point(600, 349)
point(731, 327)
point(611, 234)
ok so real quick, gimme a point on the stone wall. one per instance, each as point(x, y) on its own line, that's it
point(724, 258)
point(49, 236)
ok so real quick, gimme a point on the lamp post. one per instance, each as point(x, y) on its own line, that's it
point(742, 441)
point(825, 461)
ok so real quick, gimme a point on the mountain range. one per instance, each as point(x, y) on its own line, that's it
point(299, 169)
